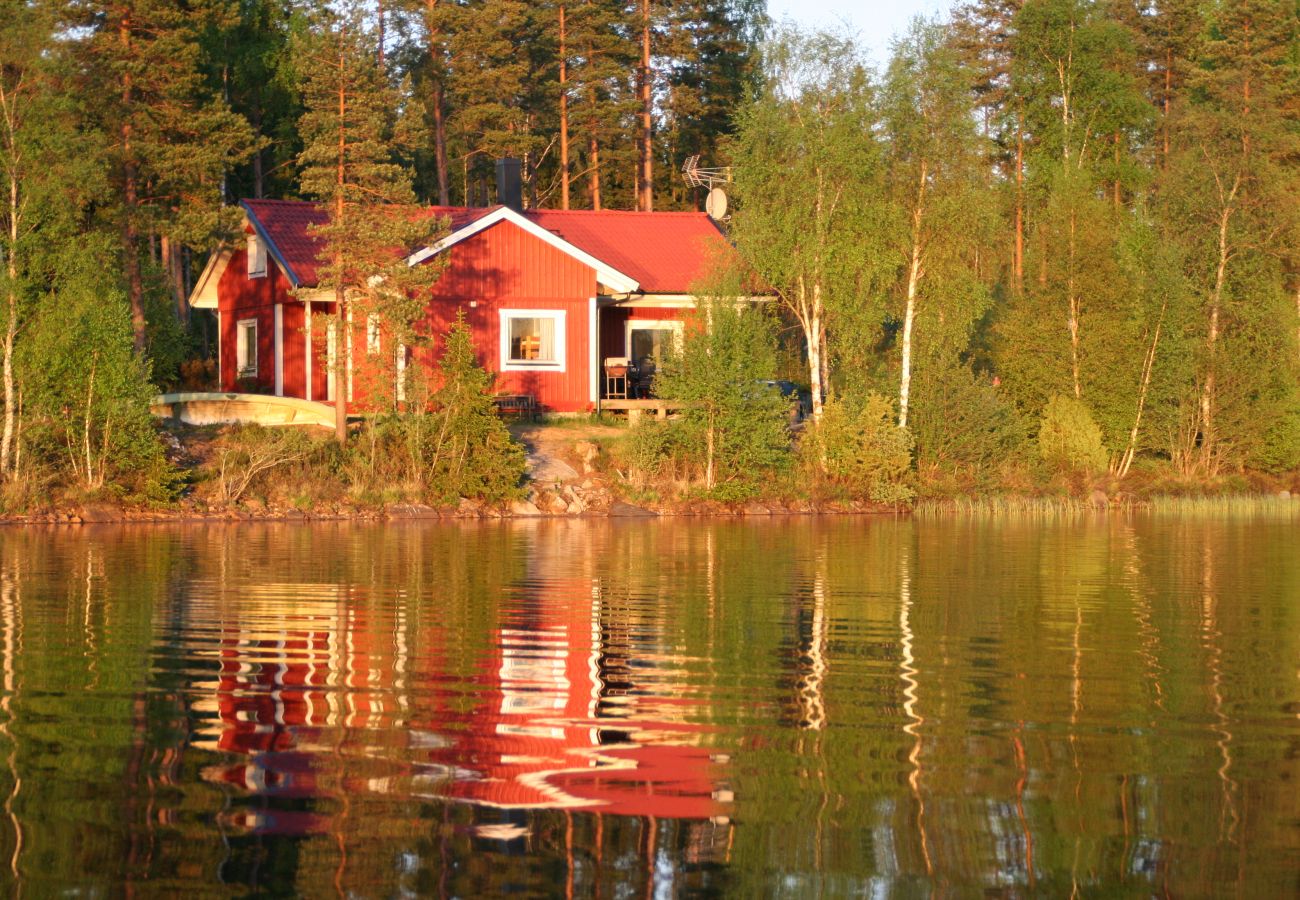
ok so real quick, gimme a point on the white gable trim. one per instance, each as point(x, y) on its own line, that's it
point(605, 274)
point(204, 294)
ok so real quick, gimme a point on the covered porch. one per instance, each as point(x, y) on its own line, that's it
point(635, 335)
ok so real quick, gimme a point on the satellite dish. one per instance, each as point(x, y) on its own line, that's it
point(716, 204)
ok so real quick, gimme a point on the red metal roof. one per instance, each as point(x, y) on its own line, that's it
point(666, 252)
point(284, 224)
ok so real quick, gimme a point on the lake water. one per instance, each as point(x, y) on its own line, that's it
point(791, 707)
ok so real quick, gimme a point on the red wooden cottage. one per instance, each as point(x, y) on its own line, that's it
point(549, 296)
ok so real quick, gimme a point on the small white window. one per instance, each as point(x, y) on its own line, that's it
point(246, 348)
point(256, 257)
point(532, 339)
point(372, 333)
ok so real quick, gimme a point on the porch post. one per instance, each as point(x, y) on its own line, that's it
point(306, 315)
point(593, 325)
point(279, 349)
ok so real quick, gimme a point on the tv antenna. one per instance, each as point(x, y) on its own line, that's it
point(709, 178)
point(716, 204)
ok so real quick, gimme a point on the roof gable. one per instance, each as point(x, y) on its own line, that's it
point(284, 224)
point(666, 252)
point(606, 274)
point(656, 253)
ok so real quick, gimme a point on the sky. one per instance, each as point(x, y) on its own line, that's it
point(875, 21)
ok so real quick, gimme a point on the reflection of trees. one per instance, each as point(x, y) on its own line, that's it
point(1011, 707)
point(11, 645)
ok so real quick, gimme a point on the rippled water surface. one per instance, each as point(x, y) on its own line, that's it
point(665, 708)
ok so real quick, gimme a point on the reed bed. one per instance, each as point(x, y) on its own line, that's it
point(1058, 508)
point(1232, 505)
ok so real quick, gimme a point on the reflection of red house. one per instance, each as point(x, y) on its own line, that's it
point(544, 736)
point(548, 295)
point(544, 731)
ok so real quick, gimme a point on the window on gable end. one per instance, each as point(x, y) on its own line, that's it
point(256, 256)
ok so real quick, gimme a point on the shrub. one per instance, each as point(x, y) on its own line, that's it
point(1279, 446)
point(241, 455)
point(718, 373)
point(961, 422)
point(1069, 438)
point(87, 393)
point(452, 445)
point(859, 449)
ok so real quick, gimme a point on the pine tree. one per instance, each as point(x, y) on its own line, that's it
point(347, 165)
point(169, 140)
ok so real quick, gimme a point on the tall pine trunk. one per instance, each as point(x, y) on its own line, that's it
point(593, 151)
point(564, 114)
point(439, 117)
point(130, 201)
point(1018, 265)
point(342, 333)
point(645, 177)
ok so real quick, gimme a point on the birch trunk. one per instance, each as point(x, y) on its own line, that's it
point(1144, 387)
point(814, 331)
point(1073, 300)
point(914, 272)
point(11, 265)
point(1210, 385)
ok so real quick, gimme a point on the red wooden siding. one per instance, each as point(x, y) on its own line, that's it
point(241, 297)
point(504, 267)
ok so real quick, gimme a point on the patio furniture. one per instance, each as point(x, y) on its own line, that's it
point(521, 405)
point(643, 376)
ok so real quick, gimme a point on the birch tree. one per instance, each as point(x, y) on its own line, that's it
point(812, 217)
point(933, 155)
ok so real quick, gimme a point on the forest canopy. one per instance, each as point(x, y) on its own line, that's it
point(1067, 217)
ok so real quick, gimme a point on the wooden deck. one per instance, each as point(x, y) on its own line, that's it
point(635, 409)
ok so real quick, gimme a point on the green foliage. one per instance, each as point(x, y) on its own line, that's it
point(962, 423)
point(857, 448)
point(1068, 436)
point(662, 450)
point(719, 375)
point(453, 445)
point(86, 393)
point(1279, 446)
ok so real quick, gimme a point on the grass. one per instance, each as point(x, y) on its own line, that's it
point(1232, 505)
point(1045, 508)
point(1053, 508)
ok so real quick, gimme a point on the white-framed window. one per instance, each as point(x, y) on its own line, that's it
point(256, 257)
point(372, 334)
point(532, 339)
point(246, 348)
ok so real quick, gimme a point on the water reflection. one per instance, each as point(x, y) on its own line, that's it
point(602, 708)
